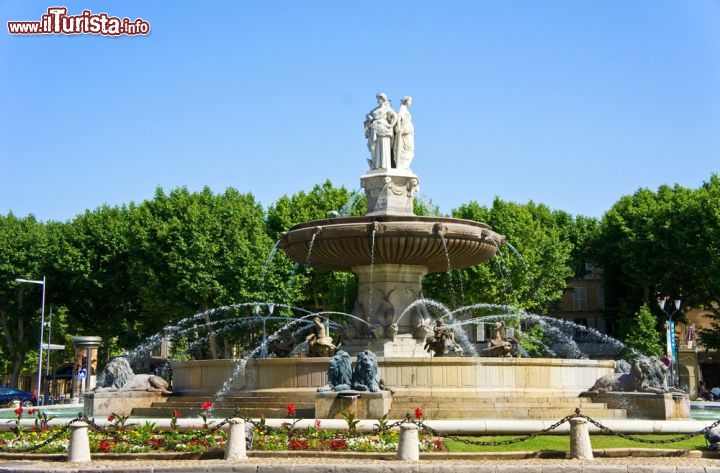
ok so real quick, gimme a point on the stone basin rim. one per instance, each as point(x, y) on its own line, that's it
point(326, 222)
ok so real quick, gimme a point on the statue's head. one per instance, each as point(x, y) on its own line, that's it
point(381, 98)
point(406, 101)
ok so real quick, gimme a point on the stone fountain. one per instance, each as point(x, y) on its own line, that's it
point(390, 249)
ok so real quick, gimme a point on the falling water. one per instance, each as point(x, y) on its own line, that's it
point(449, 267)
point(372, 267)
point(310, 248)
point(346, 209)
point(426, 205)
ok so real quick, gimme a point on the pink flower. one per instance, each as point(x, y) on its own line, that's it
point(418, 413)
point(317, 424)
point(206, 406)
point(291, 410)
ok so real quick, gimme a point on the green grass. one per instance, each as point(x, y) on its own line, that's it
point(562, 442)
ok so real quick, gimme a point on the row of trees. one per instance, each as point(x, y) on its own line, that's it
point(662, 243)
point(126, 272)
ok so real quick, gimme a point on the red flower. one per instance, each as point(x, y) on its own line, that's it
point(105, 446)
point(301, 444)
point(31, 411)
point(177, 413)
point(206, 406)
point(111, 418)
point(337, 444)
point(418, 413)
point(291, 410)
point(19, 411)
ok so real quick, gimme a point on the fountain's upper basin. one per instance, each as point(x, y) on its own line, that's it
point(343, 243)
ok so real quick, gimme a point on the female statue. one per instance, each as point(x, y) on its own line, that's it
point(404, 135)
point(379, 133)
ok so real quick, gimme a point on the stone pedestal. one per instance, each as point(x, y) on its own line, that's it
point(390, 191)
point(235, 448)
point(79, 448)
point(385, 291)
point(580, 446)
point(646, 405)
point(409, 443)
point(363, 405)
point(103, 404)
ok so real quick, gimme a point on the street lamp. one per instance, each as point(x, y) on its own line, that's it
point(670, 333)
point(42, 330)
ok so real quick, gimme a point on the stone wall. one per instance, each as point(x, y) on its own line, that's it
point(554, 376)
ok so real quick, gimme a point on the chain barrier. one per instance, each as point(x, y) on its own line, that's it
point(488, 443)
point(384, 427)
point(610, 431)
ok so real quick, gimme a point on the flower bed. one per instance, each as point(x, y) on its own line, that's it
point(142, 438)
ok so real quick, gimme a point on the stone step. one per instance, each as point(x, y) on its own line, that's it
point(499, 405)
point(451, 399)
point(172, 404)
point(514, 413)
point(221, 413)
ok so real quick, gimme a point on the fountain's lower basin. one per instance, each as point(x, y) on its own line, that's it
point(540, 375)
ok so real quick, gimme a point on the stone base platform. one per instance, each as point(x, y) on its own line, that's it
point(102, 404)
point(363, 405)
point(645, 405)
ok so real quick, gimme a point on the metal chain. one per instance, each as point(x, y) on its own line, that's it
point(608, 430)
point(489, 443)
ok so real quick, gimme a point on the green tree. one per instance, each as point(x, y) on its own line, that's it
point(662, 243)
point(643, 335)
point(23, 254)
point(529, 273)
point(92, 273)
point(198, 250)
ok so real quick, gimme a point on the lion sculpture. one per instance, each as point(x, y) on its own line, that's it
point(118, 376)
point(366, 376)
point(647, 375)
point(339, 375)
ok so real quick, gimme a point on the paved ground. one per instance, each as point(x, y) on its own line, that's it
point(315, 465)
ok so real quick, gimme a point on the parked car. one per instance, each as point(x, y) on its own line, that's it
point(8, 395)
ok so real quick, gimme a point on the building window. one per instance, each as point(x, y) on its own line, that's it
point(579, 298)
point(601, 298)
point(592, 271)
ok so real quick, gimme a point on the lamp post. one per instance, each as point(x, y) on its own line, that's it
point(670, 334)
point(42, 330)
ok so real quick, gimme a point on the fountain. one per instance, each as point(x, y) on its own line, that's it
point(390, 250)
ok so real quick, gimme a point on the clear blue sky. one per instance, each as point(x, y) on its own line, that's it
point(569, 103)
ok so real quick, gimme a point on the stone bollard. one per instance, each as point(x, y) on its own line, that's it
point(409, 443)
point(235, 445)
point(79, 450)
point(580, 446)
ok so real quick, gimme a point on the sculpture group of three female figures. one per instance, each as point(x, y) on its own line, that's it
point(390, 135)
